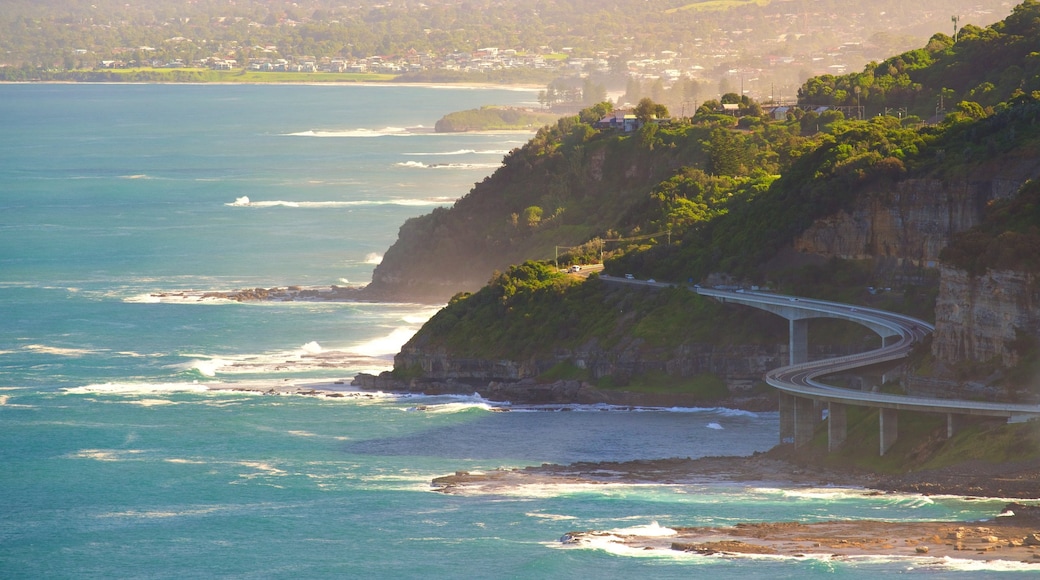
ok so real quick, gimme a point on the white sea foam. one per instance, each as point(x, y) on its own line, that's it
point(262, 468)
point(208, 367)
point(385, 132)
point(819, 493)
point(108, 455)
point(135, 388)
point(715, 426)
point(60, 351)
point(912, 501)
point(420, 317)
point(550, 517)
point(152, 402)
point(651, 530)
point(407, 202)
point(548, 490)
point(373, 258)
point(443, 153)
point(420, 165)
point(388, 345)
point(460, 152)
point(160, 514)
point(615, 545)
point(965, 565)
point(449, 408)
point(375, 354)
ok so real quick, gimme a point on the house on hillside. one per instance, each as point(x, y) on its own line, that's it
point(780, 113)
point(624, 121)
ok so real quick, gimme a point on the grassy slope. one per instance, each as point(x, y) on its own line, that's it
point(922, 444)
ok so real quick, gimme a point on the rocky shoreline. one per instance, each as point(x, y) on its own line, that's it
point(1010, 536)
point(1018, 481)
point(564, 392)
point(277, 294)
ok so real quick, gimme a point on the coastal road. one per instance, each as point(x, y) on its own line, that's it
point(900, 335)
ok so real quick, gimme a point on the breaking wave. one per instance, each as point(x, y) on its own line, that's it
point(461, 152)
point(244, 201)
point(420, 165)
point(384, 132)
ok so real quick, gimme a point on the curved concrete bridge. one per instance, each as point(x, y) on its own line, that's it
point(803, 397)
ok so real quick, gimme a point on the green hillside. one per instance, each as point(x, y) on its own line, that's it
point(683, 199)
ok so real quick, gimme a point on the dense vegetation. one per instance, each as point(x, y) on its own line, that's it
point(716, 193)
point(533, 310)
point(985, 66)
point(493, 118)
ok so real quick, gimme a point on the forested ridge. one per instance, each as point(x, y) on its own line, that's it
point(715, 194)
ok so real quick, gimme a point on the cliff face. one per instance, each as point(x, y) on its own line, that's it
point(979, 318)
point(739, 365)
point(911, 222)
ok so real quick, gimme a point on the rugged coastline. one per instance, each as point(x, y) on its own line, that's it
point(1004, 539)
point(562, 392)
point(1011, 536)
point(778, 465)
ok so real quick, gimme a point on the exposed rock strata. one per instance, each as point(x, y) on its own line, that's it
point(911, 222)
point(531, 392)
point(735, 363)
point(978, 319)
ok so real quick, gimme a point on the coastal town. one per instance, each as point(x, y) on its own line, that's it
point(766, 54)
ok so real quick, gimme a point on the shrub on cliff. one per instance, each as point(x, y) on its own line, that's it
point(522, 312)
point(534, 311)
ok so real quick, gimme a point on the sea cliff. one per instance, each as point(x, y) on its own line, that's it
point(908, 222)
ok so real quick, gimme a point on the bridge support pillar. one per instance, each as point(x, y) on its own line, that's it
point(805, 419)
point(786, 418)
point(798, 347)
point(837, 426)
point(798, 418)
point(889, 419)
point(953, 424)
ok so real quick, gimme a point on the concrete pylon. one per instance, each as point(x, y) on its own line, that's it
point(837, 426)
point(786, 418)
point(798, 347)
point(889, 427)
point(805, 419)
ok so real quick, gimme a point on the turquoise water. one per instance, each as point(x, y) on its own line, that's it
point(119, 463)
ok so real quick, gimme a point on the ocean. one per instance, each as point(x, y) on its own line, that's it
point(128, 451)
